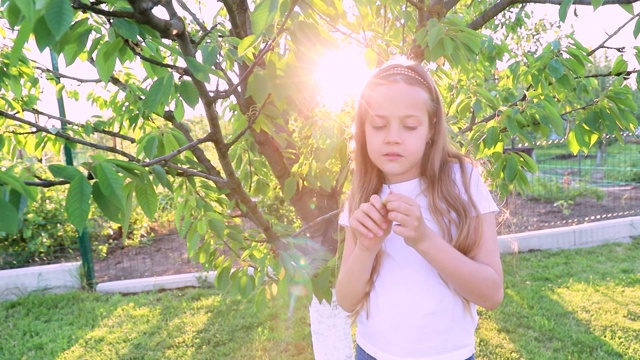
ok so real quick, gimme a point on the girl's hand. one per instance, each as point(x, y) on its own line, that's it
point(370, 224)
point(406, 214)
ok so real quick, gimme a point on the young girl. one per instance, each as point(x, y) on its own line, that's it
point(421, 247)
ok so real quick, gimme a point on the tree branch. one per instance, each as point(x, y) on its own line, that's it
point(252, 116)
point(493, 115)
point(79, 5)
point(623, 73)
point(179, 69)
point(61, 75)
point(177, 152)
point(502, 5)
point(67, 137)
point(601, 46)
point(592, 103)
point(220, 182)
point(316, 222)
point(200, 24)
point(46, 183)
point(72, 123)
point(265, 49)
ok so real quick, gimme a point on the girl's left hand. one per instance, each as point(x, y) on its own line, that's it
point(406, 214)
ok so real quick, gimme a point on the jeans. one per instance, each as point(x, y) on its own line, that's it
point(363, 355)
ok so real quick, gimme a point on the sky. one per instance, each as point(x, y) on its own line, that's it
point(591, 28)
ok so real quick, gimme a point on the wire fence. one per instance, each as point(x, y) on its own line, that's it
point(574, 189)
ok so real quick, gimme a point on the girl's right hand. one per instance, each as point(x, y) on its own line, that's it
point(370, 224)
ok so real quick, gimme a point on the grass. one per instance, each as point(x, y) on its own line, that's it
point(568, 304)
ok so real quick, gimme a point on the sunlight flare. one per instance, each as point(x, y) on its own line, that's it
point(340, 75)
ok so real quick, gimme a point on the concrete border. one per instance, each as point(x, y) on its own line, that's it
point(584, 235)
point(15, 283)
point(63, 277)
point(155, 283)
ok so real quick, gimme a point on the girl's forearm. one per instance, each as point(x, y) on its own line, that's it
point(352, 281)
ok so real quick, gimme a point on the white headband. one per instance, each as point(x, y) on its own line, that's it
point(402, 71)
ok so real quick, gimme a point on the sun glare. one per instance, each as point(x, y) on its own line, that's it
point(340, 75)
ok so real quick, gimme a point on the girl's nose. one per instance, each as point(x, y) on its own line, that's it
point(392, 136)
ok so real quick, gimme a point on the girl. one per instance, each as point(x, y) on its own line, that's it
point(421, 246)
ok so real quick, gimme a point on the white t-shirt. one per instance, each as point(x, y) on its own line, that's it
point(413, 313)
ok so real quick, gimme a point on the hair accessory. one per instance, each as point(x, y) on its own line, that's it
point(402, 71)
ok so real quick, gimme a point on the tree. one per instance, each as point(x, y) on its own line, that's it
point(267, 154)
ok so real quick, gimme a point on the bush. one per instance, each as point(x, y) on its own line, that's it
point(554, 191)
point(45, 236)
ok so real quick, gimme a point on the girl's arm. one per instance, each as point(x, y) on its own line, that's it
point(368, 227)
point(355, 270)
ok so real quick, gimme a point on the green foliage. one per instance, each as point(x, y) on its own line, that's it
point(555, 191)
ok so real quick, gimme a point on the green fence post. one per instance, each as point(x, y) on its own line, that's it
point(83, 237)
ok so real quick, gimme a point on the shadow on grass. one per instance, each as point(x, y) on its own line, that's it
point(570, 304)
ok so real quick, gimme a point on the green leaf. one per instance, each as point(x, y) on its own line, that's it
point(216, 224)
point(106, 58)
point(263, 15)
point(77, 204)
point(161, 176)
point(147, 198)
point(42, 33)
point(555, 68)
point(111, 184)
point(564, 9)
point(189, 93)
point(553, 118)
point(58, 15)
point(511, 168)
point(126, 28)
point(619, 66)
point(290, 187)
point(150, 146)
point(158, 94)
point(258, 87)
point(628, 8)
point(572, 143)
point(636, 29)
point(198, 70)
point(109, 208)
point(66, 172)
point(9, 216)
point(247, 43)
point(15, 183)
point(596, 4)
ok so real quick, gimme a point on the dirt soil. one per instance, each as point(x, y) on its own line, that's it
point(167, 253)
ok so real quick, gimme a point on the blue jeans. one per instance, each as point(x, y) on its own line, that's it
point(363, 355)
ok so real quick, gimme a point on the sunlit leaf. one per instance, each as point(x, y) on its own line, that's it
point(77, 204)
point(147, 198)
point(9, 216)
point(564, 9)
point(66, 172)
point(58, 15)
point(189, 93)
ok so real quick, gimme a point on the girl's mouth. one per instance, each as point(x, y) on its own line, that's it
point(392, 156)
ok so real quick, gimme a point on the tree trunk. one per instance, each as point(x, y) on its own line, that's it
point(330, 331)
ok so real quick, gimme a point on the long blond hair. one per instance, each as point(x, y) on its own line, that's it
point(449, 207)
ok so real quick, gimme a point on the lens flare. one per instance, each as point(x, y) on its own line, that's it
point(340, 74)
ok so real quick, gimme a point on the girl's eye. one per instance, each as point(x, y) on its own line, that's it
point(410, 128)
point(377, 126)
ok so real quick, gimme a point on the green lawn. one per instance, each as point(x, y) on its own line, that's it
point(570, 304)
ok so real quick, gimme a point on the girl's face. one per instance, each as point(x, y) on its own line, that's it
point(397, 130)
